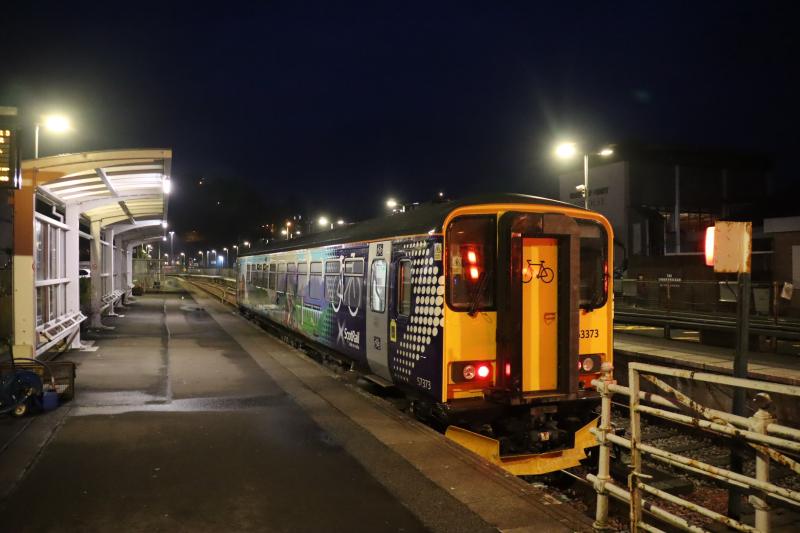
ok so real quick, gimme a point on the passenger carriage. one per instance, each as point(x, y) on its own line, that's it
point(493, 313)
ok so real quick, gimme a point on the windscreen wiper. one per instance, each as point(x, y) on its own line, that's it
point(476, 295)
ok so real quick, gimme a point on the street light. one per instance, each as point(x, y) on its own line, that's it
point(391, 203)
point(246, 243)
point(171, 237)
point(323, 221)
point(224, 263)
point(340, 222)
point(568, 150)
point(51, 123)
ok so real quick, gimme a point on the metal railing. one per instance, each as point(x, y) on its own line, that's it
point(673, 294)
point(760, 432)
point(704, 305)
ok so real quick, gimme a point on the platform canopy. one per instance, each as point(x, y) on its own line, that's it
point(114, 186)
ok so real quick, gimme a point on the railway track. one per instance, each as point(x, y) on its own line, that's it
point(689, 442)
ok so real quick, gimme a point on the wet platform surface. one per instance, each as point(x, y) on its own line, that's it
point(175, 428)
point(189, 418)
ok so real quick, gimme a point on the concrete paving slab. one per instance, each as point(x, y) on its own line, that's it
point(299, 376)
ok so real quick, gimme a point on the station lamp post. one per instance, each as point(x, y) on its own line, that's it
point(246, 244)
point(568, 150)
point(51, 123)
point(324, 222)
point(225, 262)
point(183, 259)
point(171, 238)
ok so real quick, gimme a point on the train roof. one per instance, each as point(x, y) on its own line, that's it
point(424, 218)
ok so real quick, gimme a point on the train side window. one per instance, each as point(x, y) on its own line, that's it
point(378, 286)
point(404, 288)
point(352, 282)
point(281, 284)
point(354, 267)
point(332, 279)
point(594, 265)
point(302, 279)
point(315, 282)
point(291, 278)
point(272, 276)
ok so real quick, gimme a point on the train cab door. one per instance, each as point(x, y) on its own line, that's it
point(537, 312)
point(380, 254)
point(539, 297)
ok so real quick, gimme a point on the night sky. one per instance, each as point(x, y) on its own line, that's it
point(331, 107)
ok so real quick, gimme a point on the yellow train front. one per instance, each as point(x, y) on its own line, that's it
point(527, 324)
point(492, 313)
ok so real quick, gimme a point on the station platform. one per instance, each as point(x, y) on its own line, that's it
point(775, 367)
point(187, 417)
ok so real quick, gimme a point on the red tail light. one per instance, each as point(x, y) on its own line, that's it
point(474, 273)
point(472, 371)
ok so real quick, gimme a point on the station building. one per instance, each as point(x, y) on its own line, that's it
point(109, 201)
point(661, 199)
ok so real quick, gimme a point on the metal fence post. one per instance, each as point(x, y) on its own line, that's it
point(759, 422)
point(604, 460)
point(636, 454)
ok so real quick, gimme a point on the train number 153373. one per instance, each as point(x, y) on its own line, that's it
point(590, 333)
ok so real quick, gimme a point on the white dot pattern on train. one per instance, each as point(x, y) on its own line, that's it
point(425, 323)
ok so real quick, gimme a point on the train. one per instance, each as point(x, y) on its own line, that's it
point(493, 314)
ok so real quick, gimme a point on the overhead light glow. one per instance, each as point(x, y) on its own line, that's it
point(605, 152)
point(566, 150)
point(391, 203)
point(164, 224)
point(56, 123)
point(323, 221)
point(166, 185)
point(340, 222)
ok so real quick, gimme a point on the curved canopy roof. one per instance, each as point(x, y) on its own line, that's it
point(110, 186)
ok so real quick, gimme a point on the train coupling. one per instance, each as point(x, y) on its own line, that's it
point(526, 464)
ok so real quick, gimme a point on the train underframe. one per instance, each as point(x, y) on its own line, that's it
point(534, 438)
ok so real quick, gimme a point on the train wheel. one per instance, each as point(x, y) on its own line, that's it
point(20, 409)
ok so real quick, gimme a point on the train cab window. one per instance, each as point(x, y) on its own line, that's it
point(404, 288)
point(594, 265)
point(281, 284)
point(315, 283)
point(302, 279)
point(272, 276)
point(471, 258)
point(291, 278)
point(378, 286)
